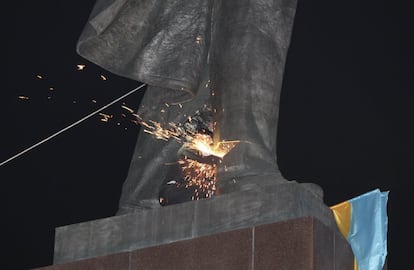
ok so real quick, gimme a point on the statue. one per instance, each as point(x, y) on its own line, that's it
point(218, 61)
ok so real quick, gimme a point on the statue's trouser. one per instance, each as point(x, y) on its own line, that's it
point(246, 65)
point(246, 74)
point(153, 159)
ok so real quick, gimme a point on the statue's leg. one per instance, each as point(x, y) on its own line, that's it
point(154, 160)
point(247, 59)
point(150, 159)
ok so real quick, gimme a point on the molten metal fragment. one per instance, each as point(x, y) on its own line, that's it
point(80, 67)
point(105, 117)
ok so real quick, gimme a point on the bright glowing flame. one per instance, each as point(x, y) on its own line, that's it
point(204, 144)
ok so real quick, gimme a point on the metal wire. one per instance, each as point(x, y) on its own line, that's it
point(72, 125)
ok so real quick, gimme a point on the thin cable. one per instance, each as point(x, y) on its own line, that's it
point(72, 125)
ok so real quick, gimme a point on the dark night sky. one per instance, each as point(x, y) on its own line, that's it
point(345, 119)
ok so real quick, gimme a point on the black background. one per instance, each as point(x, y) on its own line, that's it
point(345, 119)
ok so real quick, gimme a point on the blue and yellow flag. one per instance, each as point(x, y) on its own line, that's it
point(363, 221)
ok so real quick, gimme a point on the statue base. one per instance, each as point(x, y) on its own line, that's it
point(302, 243)
point(285, 224)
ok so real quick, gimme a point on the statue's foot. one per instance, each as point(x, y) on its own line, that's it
point(140, 206)
point(260, 182)
point(228, 184)
point(175, 191)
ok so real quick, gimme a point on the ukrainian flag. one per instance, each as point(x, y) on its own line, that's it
point(363, 221)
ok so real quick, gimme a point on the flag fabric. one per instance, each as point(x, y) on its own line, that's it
point(363, 222)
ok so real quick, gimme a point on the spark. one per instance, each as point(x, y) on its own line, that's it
point(155, 129)
point(201, 143)
point(39, 76)
point(103, 78)
point(105, 117)
point(135, 122)
point(200, 175)
point(127, 108)
point(80, 67)
point(23, 97)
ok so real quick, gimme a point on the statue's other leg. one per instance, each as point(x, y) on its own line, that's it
point(247, 59)
point(150, 159)
point(154, 161)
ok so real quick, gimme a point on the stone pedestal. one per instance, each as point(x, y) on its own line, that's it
point(281, 226)
point(303, 243)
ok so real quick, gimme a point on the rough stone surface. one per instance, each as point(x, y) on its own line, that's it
point(302, 243)
point(189, 220)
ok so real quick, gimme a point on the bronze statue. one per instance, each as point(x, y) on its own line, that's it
point(218, 59)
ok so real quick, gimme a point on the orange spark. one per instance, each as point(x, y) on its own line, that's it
point(105, 117)
point(127, 108)
point(201, 176)
point(198, 175)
